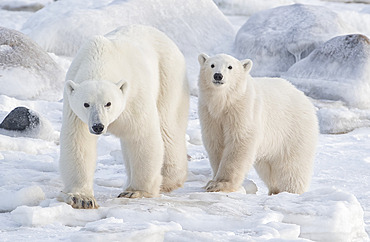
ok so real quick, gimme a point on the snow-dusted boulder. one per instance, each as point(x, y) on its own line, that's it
point(242, 7)
point(277, 38)
point(337, 70)
point(194, 25)
point(26, 70)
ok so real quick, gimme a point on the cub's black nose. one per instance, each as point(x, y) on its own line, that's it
point(98, 128)
point(218, 76)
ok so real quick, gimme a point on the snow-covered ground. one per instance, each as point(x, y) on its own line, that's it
point(336, 207)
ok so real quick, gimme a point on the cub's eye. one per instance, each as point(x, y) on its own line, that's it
point(212, 66)
point(230, 67)
point(108, 104)
point(86, 105)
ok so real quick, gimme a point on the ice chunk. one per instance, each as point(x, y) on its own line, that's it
point(113, 229)
point(60, 213)
point(30, 196)
point(277, 38)
point(323, 215)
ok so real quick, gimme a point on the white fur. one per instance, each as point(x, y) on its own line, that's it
point(265, 122)
point(133, 82)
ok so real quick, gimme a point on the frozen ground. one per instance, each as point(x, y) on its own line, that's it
point(336, 207)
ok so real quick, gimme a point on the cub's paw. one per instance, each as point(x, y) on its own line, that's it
point(77, 200)
point(135, 194)
point(220, 186)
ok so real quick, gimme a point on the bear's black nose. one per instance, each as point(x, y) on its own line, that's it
point(218, 76)
point(98, 128)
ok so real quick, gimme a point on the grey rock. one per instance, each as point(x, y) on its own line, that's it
point(20, 119)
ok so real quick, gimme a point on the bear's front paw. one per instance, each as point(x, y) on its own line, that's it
point(134, 194)
point(79, 201)
point(220, 186)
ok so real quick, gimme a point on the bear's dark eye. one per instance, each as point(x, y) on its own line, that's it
point(212, 66)
point(86, 105)
point(230, 67)
point(108, 104)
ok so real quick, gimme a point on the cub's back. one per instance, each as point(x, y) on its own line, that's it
point(289, 115)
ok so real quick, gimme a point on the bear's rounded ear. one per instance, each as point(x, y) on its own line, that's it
point(122, 85)
point(202, 58)
point(247, 65)
point(70, 86)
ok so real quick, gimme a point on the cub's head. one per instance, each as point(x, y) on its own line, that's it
point(222, 71)
point(97, 103)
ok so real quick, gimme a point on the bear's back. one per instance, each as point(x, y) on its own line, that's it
point(287, 111)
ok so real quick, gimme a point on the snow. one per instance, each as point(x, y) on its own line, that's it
point(201, 27)
point(336, 207)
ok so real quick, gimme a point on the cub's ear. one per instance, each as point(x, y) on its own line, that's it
point(70, 86)
point(123, 86)
point(247, 65)
point(202, 58)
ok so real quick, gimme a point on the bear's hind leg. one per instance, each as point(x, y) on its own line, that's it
point(263, 169)
point(143, 154)
point(291, 175)
point(173, 112)
point(175, 164)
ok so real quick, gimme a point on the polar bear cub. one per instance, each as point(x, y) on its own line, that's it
point(131, 83)
point(245, 121)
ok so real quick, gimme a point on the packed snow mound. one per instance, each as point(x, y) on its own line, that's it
point(24, 65)
point(337, 118)
point(277, 38)
point(248, 8)
point(337, 70)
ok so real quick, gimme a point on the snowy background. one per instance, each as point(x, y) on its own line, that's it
point(322, 47)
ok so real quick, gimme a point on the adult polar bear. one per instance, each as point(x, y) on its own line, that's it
point(132, 83)
point(262, 121)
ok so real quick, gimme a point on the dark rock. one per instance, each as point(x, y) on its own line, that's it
point(20, 119)
point(34, 7)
